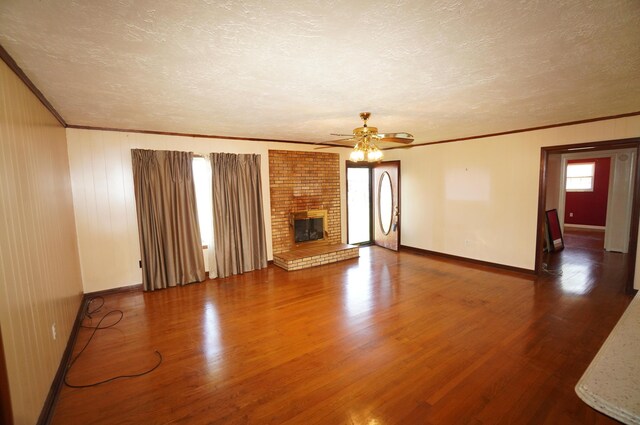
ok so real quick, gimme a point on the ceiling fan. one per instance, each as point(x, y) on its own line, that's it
point(366, 140)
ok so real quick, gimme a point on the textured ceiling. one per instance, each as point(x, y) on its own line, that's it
point(299, 70)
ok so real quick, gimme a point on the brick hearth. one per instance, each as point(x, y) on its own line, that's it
point(303, 258)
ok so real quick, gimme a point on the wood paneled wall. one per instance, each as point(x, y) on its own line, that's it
point(40, 282)
point(105, 205)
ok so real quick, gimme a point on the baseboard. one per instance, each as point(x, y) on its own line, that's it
point(52, 398)
point(500, 267)
point(130, 288)
point(584, 226)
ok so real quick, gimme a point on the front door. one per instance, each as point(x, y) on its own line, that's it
point(386, 204)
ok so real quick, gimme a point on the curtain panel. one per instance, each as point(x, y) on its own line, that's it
point(168, 226)
point(239, 234)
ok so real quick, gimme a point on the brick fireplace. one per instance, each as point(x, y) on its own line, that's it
point(303, 182)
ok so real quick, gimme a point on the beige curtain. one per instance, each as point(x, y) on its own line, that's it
point(239, 236)
point(169, 233)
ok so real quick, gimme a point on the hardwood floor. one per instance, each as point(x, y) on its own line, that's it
point(387, 338)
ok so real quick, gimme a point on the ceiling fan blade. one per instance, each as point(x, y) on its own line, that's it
point(340, 142)
point(402, 140)
point(329, 146)
point(369, 134)
point(396, 135)
point(396, 147)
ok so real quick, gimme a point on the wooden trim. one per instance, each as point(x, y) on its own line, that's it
point(399, 222)
point(52, 398)
point(254, 139)
point(604, 145)
point(346, 194)
point(471, 261)
point(6, 57)
point(541, 222)
point(633, 232)
point(130, 288)
point(520, 130)
point(635, 209)
point(360, 164)
point(204, 136)
point(6, 415)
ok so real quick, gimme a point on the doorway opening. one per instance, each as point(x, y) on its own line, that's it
point(610, 222)
point(373, 204)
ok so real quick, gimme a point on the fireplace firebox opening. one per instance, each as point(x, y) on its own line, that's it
point(309, 225)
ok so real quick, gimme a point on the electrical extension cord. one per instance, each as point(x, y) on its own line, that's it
point(88, 313)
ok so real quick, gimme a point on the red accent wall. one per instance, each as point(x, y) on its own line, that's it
point(590, 208)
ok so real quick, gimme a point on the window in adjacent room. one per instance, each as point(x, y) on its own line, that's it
point(580, 177)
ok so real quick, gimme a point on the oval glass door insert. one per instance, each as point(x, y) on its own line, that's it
point(385, 202)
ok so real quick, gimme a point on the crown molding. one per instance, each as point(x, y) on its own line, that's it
point(204, 136)
point(6, 58)
point(521, 130)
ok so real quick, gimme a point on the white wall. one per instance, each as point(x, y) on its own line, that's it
point(104, 200)
point(479, 198)
point(475, 198)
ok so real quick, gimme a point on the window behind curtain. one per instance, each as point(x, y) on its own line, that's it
point(202, 183)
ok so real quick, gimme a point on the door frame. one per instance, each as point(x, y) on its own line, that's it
point(371, 166)
point(633, 143)
point(350, 164)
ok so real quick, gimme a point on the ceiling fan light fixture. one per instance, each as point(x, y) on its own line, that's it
point(365, 151)
point(357, 155)
point(374, 154)
point(365, 138)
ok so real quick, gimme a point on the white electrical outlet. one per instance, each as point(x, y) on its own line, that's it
point(570, 214)
point(53, 331)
